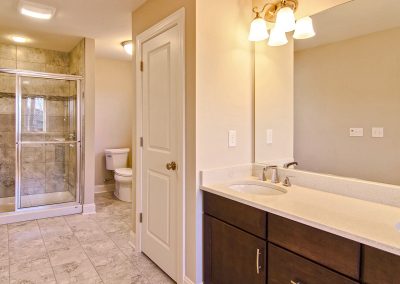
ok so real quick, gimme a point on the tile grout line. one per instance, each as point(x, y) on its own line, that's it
point(8, 254)
point(80, 244)
point(47, 252)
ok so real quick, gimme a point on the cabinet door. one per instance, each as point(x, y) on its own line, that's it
point(380, 267)
point(232, 255)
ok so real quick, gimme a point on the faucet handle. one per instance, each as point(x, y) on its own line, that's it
point(287, 182)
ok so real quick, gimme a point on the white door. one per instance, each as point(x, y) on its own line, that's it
point(162, 147)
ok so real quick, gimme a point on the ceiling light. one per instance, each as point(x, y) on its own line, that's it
point(279, 18)
point(285, 19)
point(278, 37)
point(258, 29)
point(128, 46)
point(304, 28)
point(19, 39)
point(36, 10)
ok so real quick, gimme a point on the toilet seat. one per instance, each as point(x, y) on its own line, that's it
point(124, 172)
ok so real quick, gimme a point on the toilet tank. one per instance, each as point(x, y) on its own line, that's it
point(116, 158)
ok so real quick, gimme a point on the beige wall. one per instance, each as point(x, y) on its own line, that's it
point(224, 92)
point(89, 124)
point(353, 83)
point(274, 102)
point(143, 18)
point(114, 104)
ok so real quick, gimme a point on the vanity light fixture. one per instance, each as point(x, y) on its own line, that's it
point(19, 39)
point(128, 46)
point(280, 19)
point(36, 10)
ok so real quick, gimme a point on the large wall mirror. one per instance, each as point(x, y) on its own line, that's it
point(332, 103)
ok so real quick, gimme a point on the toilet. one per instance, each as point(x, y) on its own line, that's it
point(117, 161)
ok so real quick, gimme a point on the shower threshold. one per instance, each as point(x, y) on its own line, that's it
point(37, 207)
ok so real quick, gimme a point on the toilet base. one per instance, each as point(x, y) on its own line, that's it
point(123, 192)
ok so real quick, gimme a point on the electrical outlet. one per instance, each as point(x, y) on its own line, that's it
point(232, 138)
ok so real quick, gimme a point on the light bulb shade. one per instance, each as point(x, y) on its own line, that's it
point(258, 30)
point(128, 46)
point(285, 19)
point(304, 28)
point(278, 37)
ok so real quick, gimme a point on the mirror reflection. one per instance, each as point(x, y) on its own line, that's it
point(333, 104)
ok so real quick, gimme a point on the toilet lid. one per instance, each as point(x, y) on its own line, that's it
point(124, 172)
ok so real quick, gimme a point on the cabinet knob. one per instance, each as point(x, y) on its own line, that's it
point(295, 282)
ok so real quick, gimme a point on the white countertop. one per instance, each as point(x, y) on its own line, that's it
point(366, 222)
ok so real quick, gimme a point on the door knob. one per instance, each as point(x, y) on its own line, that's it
point(171, 166)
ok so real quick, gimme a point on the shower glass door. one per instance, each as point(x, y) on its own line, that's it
point(48, 141)
point(7, 142)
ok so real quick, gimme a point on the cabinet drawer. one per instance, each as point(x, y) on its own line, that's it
point(380, 267)
point(232, 256)
point(332, 251)
point(247, 218)
point(285, 267)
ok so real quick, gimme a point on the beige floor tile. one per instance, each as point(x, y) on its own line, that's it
point(27, 250)
point(104, 253)
point(76, 272)
point(32, 271)
point(54, 227)
point(4, 248)
point(24, 231)
point(90, 236)
point(119, 273)
point(61, 242)
point(67, 255)
point(113, 224)
point(4, 271)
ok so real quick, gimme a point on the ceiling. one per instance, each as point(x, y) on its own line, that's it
point(107, 21)
point(353, 19)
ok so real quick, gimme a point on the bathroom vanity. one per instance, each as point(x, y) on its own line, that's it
point(243, 244)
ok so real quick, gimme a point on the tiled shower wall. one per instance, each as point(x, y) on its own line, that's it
point(45, 168)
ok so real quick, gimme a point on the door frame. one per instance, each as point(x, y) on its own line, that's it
point(176, 19)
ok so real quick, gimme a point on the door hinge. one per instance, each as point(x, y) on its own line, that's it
point(141, 217)
point(141, 66)
point(141, 141)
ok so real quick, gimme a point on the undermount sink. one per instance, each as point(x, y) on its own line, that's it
point(257, 188)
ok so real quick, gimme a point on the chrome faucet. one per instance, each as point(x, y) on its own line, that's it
point(287, 165)
point(274, 175)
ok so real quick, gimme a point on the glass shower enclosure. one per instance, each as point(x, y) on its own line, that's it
point(40, 144)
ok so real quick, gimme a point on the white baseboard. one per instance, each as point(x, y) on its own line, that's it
point(104, 188)
point(89, 209)
point(186, 280)
point(132, 239)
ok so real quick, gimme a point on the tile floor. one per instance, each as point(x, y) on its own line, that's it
point(76, 249)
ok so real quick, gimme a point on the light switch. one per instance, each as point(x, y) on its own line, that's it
point(269, 136)
point(232, 138)
point(356, 132)
point(377, 132)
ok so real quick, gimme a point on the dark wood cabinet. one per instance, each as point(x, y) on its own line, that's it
point(247, 218)
point(287, 267)
point(232, 256)
point(380, 267)
point(332, 251)
point(245, 245)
